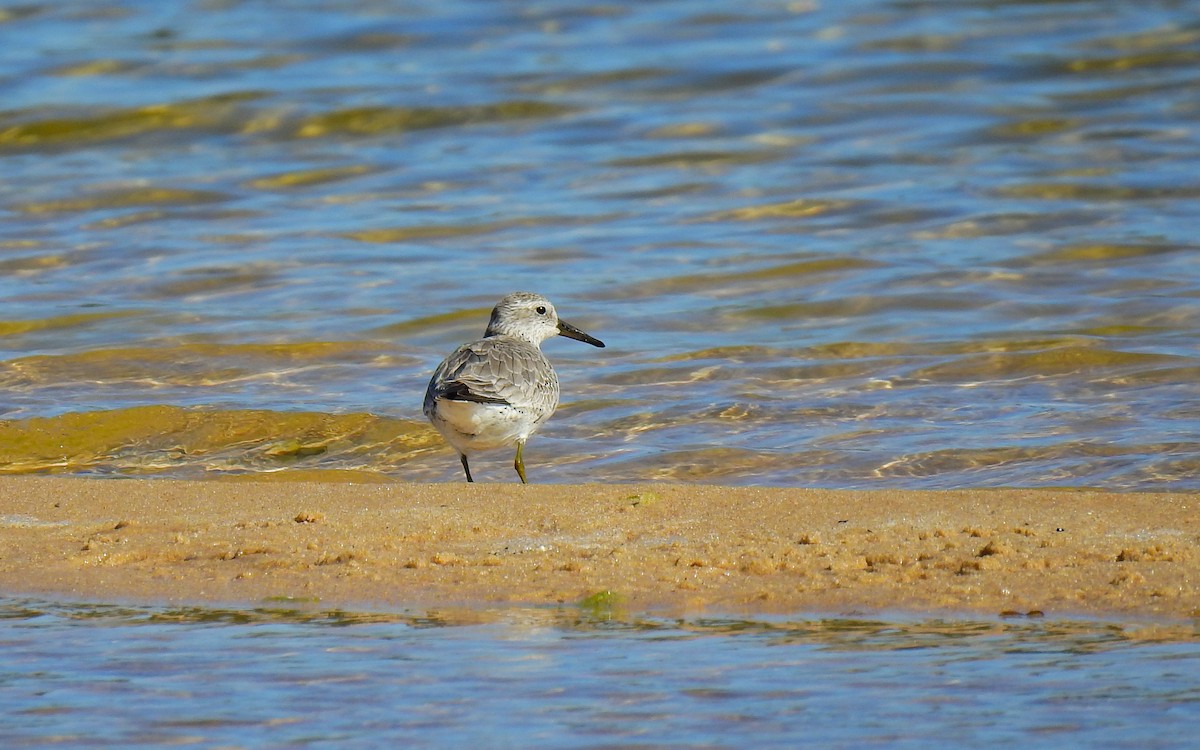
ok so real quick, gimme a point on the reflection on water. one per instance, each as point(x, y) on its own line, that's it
point(856, 244)
point(292, 675)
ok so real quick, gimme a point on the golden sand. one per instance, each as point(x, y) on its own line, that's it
point(675, 549)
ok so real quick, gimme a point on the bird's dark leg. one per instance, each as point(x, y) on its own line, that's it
point(466, 468)
point(519, 464)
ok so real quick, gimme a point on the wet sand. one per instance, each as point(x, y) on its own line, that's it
point(670, 549)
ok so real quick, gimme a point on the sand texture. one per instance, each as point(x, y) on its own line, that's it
point(658, 548)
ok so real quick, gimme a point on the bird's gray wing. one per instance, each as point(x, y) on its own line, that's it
point(496, 371)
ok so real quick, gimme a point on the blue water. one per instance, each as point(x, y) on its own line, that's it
point(879, 243)
point(76, 675)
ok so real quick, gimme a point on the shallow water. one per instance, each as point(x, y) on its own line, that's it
point(873, 243)
point(82, 675)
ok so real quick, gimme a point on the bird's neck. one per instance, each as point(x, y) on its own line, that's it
point(492, 333)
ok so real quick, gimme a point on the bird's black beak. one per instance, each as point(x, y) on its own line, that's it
point(571, 332)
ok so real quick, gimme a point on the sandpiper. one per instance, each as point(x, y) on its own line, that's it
point(498, 391)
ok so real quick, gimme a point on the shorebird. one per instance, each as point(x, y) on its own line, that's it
point(497, 391)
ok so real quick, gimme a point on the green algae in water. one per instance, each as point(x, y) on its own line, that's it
point(380, 120)
point(604, 605)
point(164, 439)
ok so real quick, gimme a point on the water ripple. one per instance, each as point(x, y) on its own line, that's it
point(869, 244)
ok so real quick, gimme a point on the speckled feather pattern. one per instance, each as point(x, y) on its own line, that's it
point(498, 369)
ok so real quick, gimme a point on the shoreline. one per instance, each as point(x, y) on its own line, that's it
point(674, 550)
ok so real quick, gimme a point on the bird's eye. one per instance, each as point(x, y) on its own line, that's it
point(541, 309)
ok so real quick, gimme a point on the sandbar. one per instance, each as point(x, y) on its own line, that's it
point(676, 549)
